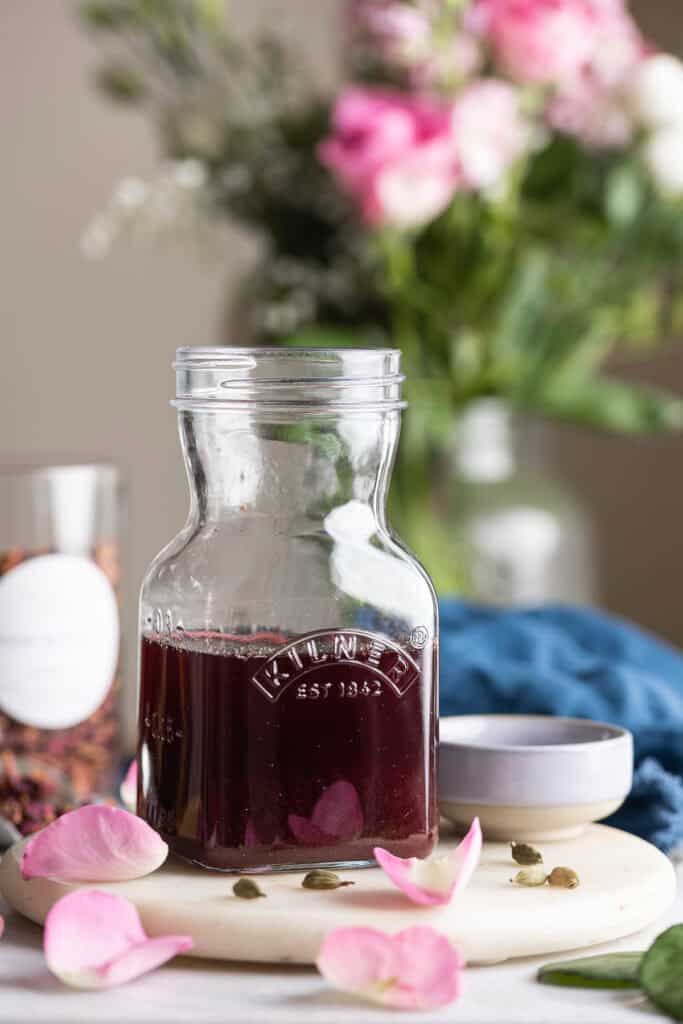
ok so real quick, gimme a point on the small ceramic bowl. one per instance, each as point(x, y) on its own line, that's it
point(532, 776)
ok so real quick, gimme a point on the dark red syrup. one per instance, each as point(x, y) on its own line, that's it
point(256, 754)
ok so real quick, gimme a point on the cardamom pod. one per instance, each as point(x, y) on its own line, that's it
point(522, 853)
point(563, 878)
point(319, 878)
point(247, 889)
point(535, 874)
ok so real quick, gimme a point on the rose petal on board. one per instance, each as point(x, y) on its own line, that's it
point(95, 940)
point(94, 844)
point(417, 969)
point(128, 790)
point(434, 881)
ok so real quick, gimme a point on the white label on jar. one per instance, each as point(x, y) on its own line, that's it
point(59, 640)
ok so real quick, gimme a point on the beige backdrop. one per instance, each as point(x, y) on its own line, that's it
point(86, 348)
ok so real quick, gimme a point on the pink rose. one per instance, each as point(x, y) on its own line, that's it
point(595, 116)
point(594, 105)
point(393, 154)
point(489, 131)
point(539, 41)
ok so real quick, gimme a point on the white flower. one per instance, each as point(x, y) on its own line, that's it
point(664, 157)
point(130, 193)
point(658, 91)
point(189, 174)
point(489, 131)
point(172, 201)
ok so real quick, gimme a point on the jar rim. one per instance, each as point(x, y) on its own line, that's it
point(306, 377)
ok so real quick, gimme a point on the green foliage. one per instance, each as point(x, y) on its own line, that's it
point(661, 972)
point(612, 970)
point(525, 296)
point(120, 84)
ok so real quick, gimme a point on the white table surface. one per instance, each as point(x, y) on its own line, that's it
point(196, 992)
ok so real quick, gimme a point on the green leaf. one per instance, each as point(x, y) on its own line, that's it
point(522, 307)
point(614, 970)
point(104, 16)
point(212, 14)
point(120, 84)
point(661, 972)
point(610, 405)
point(623, 195)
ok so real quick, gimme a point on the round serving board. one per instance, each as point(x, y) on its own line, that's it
point(626, 884)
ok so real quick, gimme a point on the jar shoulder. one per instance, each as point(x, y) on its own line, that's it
point(300, 578)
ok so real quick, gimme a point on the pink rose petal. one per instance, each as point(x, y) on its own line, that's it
point(436, 880)
point(306, 833)
point(95, 940)
point(417, 969)
point(337, 814)
point(2, 925)
point(94, 844)
point(128, 790)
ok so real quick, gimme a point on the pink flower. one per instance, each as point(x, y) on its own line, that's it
point(538, 41)
point(417, 969)
point(595, 116)
point(337, 815)
point(436, 880)
point(401, 32)
point(594, 106)
point(2, 925)
point(94, 844)
point(128, 790)
point(394, 155)
point(619, 46)
point(95, 940)
point(489, 131)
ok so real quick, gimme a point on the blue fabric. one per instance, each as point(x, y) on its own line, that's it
point(579, 662)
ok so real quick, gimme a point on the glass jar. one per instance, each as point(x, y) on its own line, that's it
point(60, 570)
point(288, 667)
point(519, 535)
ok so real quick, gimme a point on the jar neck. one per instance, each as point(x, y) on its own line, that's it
point(244, 463)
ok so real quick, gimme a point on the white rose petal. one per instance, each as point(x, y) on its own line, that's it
point(658, 91)
point(664, 158)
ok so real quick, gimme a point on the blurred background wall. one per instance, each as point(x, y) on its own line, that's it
point(86, 348)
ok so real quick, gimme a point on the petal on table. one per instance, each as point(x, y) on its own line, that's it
point(357, 959)
point(94, 844)
point(415, 969)
point(430, 970)
point(96, 940)
point(434, 881)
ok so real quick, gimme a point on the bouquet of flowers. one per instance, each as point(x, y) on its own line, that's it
point(496, 188)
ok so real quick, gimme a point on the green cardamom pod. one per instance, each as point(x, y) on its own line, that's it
point(522, 853)
point(535, 874)
point(563, 878)
point(319, 878)
point(247, 889)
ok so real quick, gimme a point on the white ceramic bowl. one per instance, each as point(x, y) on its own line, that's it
point(532, 776)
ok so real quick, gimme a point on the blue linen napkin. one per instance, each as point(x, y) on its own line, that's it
point(565, 660)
